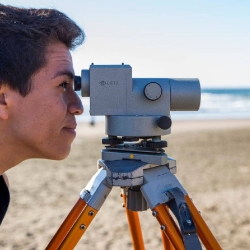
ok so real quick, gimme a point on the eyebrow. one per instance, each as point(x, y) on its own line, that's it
point(66, 72)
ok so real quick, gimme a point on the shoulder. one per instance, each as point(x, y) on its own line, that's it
point(4, 196)
point(6, 179)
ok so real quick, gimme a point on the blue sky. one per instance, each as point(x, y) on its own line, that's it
point(209, 40)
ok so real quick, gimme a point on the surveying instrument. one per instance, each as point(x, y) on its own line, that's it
point(137, 113)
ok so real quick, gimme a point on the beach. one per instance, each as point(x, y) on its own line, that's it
point(213, 164)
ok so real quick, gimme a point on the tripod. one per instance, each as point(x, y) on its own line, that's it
point(145, 174)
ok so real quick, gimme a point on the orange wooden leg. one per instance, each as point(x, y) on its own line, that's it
point(134, 227)
point(203, 231)
point(168, 226)
point(167, 245)
point(66, 225)
point(79, 228)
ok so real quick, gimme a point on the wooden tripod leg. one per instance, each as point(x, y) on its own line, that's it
point(79, 228)
point(134, 227)
point(203, 231)
point(167, 245)
point(83, 213)
point(66, 225)
point(168, 226)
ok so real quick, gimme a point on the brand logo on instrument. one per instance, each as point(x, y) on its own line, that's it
point(109, 83)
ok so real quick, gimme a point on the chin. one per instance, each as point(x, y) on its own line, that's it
point(58, 158)
point(59, 155)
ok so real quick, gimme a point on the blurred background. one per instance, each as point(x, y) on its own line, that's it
point(209, 40)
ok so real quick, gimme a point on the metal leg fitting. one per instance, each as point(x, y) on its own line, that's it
point(179, 207)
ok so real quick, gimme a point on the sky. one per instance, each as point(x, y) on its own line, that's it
point(209, 40)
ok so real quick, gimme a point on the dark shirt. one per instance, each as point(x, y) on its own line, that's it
point(4, 198)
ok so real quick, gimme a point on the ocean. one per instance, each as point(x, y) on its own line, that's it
point(224, 103)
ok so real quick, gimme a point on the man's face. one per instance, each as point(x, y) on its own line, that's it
point(43, 123)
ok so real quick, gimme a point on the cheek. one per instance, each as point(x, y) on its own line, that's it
point(44, 117)
point(52, 114)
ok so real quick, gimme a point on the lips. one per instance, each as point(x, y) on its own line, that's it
point(71, 126)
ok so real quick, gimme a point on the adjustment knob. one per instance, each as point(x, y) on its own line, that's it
point(153, 91)
point(156, 144)
point(112, 141)
point(164, 122)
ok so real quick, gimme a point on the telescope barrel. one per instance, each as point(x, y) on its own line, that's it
point(185, 94)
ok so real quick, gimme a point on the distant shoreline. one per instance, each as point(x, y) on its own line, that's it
point(225, 88)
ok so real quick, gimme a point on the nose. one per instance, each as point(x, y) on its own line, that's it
point(75, 106)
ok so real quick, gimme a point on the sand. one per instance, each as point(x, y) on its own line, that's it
point(213, 164)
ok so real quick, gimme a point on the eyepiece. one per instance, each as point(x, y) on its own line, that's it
point(77, 83)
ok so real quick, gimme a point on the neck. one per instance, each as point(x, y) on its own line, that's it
point(11, 153)
point(8, 158)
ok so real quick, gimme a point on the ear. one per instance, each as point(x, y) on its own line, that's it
point(3, 104)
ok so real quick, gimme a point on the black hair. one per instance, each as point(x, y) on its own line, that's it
point(24, 37)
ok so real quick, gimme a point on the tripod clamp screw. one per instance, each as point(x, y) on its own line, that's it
point(188, 222)
point(163, 227)
point(82, 226)
point(154, 213)
point(91, 213)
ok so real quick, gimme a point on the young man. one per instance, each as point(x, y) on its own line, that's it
point(37, 101)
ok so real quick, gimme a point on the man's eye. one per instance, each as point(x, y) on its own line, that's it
point(64, 85)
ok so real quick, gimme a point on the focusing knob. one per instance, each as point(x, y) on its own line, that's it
point(77, 83)
point(156, 144)
point(164, 122)
point(153, 91)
